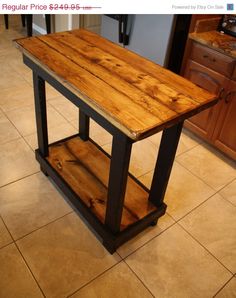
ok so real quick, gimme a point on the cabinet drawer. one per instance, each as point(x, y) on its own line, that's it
point(213, 59)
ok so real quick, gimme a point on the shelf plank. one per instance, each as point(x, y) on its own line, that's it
point(86, 169)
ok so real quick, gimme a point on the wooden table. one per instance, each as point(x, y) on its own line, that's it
point(132, 98)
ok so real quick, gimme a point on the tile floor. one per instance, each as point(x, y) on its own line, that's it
point(46, 250)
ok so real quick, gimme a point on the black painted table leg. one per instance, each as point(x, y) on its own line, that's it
point(120, 157)
point(48, 23)
point(6, 21)
point(41, 114)
point(165, 159)
point(23, 20)
point(83, 126)
point(29, 22)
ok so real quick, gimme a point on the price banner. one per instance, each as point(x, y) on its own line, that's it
point(121, 6)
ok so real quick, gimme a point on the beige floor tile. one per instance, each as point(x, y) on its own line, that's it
point(30, 203)
point(229, 192)
point(16, 63)
point(5, 237)
point(55, 133)
point(24, 119)
point(28, 77)
point(97, 133)
point(16, 280)
point(4, 43)
point(212, 168)
point(187, 141)
point(184, 191)
point(65, 255)
point(7, 130)
point(143, 157)
point(175, 264)
point(75, 122)
point(64, 107)
point(163, 223)
point(214, 225)
point(7, 49)
point(17, 161)
point(9, 78)
point(117, 282)
point(15, 98)
point(50, 91)
point(229, 291)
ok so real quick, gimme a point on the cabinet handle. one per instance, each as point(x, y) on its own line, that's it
point(228, 97)
point(207, 57)
point(221, 93)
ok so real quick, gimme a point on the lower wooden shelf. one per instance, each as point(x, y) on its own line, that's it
point(86, 169)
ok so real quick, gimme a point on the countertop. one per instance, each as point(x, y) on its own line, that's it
point(220, 42)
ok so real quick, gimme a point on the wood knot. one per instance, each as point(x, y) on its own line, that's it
point(59, 165)
point(174, 99)
point(95, 60)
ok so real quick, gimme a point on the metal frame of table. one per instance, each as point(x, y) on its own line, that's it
point(109, 232)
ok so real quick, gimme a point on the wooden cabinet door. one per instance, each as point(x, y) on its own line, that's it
point(224, 136)
point(203, 123)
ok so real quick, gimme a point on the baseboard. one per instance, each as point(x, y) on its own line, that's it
point(39, 29)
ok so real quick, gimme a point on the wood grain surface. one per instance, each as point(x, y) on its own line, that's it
point(86, 169)
point(134, 94)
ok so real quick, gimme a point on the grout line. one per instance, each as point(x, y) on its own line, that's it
point(8, 232)
point(43, 226)
point(7, 229)
point(12, 123)
point(139, 279)
point(223, 286)
point(200, 177)
point(171, 216)
point(21, 255)
point(99, 275)
point(228, 201)
point(194, 208)
point(52, 106)
point(19, 179)
point(195, 175)
point(12, 242)
point(225, 197)
point(29, 269)
point(148, 241)
point(12, 140)
point(187, 150)
point(204, 248)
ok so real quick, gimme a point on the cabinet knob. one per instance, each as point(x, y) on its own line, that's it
point(221, 93)
point(207, 57)
point(228, 96)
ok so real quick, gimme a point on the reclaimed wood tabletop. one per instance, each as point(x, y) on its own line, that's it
point(136, 95)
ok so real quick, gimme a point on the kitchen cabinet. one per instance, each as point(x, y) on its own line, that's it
point(224, 135)
point(216, 73)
